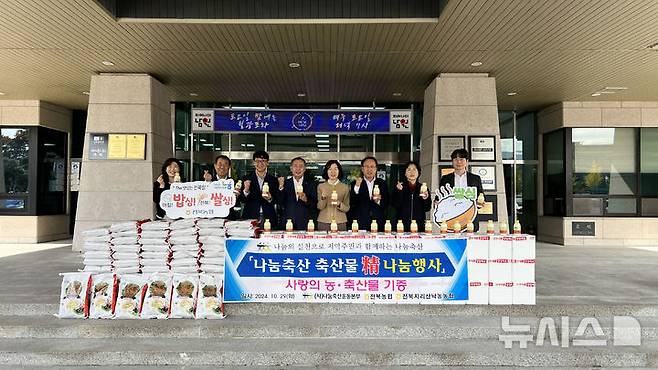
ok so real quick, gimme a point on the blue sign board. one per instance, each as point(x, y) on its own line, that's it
point(342, 121)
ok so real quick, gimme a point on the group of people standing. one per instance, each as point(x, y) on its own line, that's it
point(299, 198)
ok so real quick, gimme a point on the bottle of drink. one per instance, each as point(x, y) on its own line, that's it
point(334, 226)
point(375, 190)
point(310, 227)
point(238, 185)
point(177, 177)
point(355, 226)
point(428, 227)
point(490, 227)
point(334, 198)
point(423, 188)
point(399, 227)
point(266, 189)
point(457, 227)
point(444, 227)
point(413, 227)
point(517, 227)
point(502, 227)
point(470, 228)
point(374, 228)
point(289, 226)
point(480, 199)
point(299, 189)
point(267, 226)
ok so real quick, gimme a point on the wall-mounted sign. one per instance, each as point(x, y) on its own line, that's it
point(117, 146)
point(97, 146)
point(579, 228)
point(487, 175)
point(342, 121)
point(445, 170)
point(482, 148)
point(489, 210)
point(74, 174)
point(448, 144)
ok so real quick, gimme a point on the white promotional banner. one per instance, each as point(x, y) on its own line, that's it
point(378, 270)
point(198, 199)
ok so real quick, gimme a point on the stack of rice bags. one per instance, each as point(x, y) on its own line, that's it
point(242, 228)
point(97, 250)
point(212, 237)
point(156, 251)
point(125, 244)
point(184, 242)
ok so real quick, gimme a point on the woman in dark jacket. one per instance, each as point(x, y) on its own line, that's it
point(170, 168)
point(409, 202)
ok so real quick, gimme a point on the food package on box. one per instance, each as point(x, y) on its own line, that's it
point(158, 297)
point(210, 301)
point(130, 295)
point(74, 295)
point(183, 302)
point(103, 296)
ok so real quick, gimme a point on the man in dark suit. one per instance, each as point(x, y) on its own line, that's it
point(462, 178)
point(366, 206)
point(258, 204)
point(222, 171)
point(298, 206)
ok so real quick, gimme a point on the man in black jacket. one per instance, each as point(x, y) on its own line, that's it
point(297, 206)
point(222, 171)
point(461, 178)
point(365, 204)
point(258, 204)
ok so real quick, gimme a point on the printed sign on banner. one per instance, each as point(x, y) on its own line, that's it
point(523, 269)
point(198, 199)
point(401, 121)
point(378, 270)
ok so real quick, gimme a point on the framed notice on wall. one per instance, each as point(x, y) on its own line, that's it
point(487, 174)
point(482, 148)
point(447, 144)
point(117, 146)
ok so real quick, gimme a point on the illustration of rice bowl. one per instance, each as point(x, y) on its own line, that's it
point(451, 210)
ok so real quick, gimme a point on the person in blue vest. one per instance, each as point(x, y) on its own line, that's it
point(297, 205)
point(365, 202)
point(258, 204)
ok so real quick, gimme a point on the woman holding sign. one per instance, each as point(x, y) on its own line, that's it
point(411, 199)
point(171, 169)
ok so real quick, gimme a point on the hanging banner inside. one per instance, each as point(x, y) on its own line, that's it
point(379, 270)
point(342, 121)
point(198, 199)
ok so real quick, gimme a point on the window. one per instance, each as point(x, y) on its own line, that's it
point(554, 174)
point(51, 172)
point(393, 143)
point(302, 143)
point(604, 171)
point(649, 170)
point(356, 143)
point(247, 142)
point(15, 171)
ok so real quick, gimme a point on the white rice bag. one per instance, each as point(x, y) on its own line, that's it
point(104, 246)
point(74, 295)
point(125, 255)
point(98, 254)
point(123, 226)
point(178, 240)
point(183, 232)
point(185, 269)
point(100, 239)
point(182, 224)
point(97, 269)
point(212, 232)
point(154, 269)
point(210, 222)
point(158, 296)
point(154, 234)
point(128, 248)
point(95, 232)
point(97, 261)
point(185, 254)
point(125, 240)
point(185, 247)
point(183, 302)
point(129, 297)
point(103, 296)
point(155, 225)
point(127, 270)
point(211, 261)
point(214, 254)
point(210, 301)
point(214, 269)
point(162, 255)
point(183, 262)
point(212, 239)
point(156, 248)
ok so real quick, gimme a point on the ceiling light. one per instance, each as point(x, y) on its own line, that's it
point(596, 94)
point(397, 94)
point(321, 135)
point(301, 95)
point(606, 92)
point(654, 47)
point(85, 93)
point(243, 107)
point(194, 94)
point(476, 64)
point(323, 150)
point(322, 141)
point(1, 93)
point(323, 145)
point(294, 65)
point(107, 63)
point(512, 93)
point(207, 144)
point(361, 108)
point(616, 88)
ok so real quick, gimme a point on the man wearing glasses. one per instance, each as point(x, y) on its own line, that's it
point(258, 202)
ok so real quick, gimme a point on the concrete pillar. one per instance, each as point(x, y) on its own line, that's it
point(461, 104)
point(121, 190)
